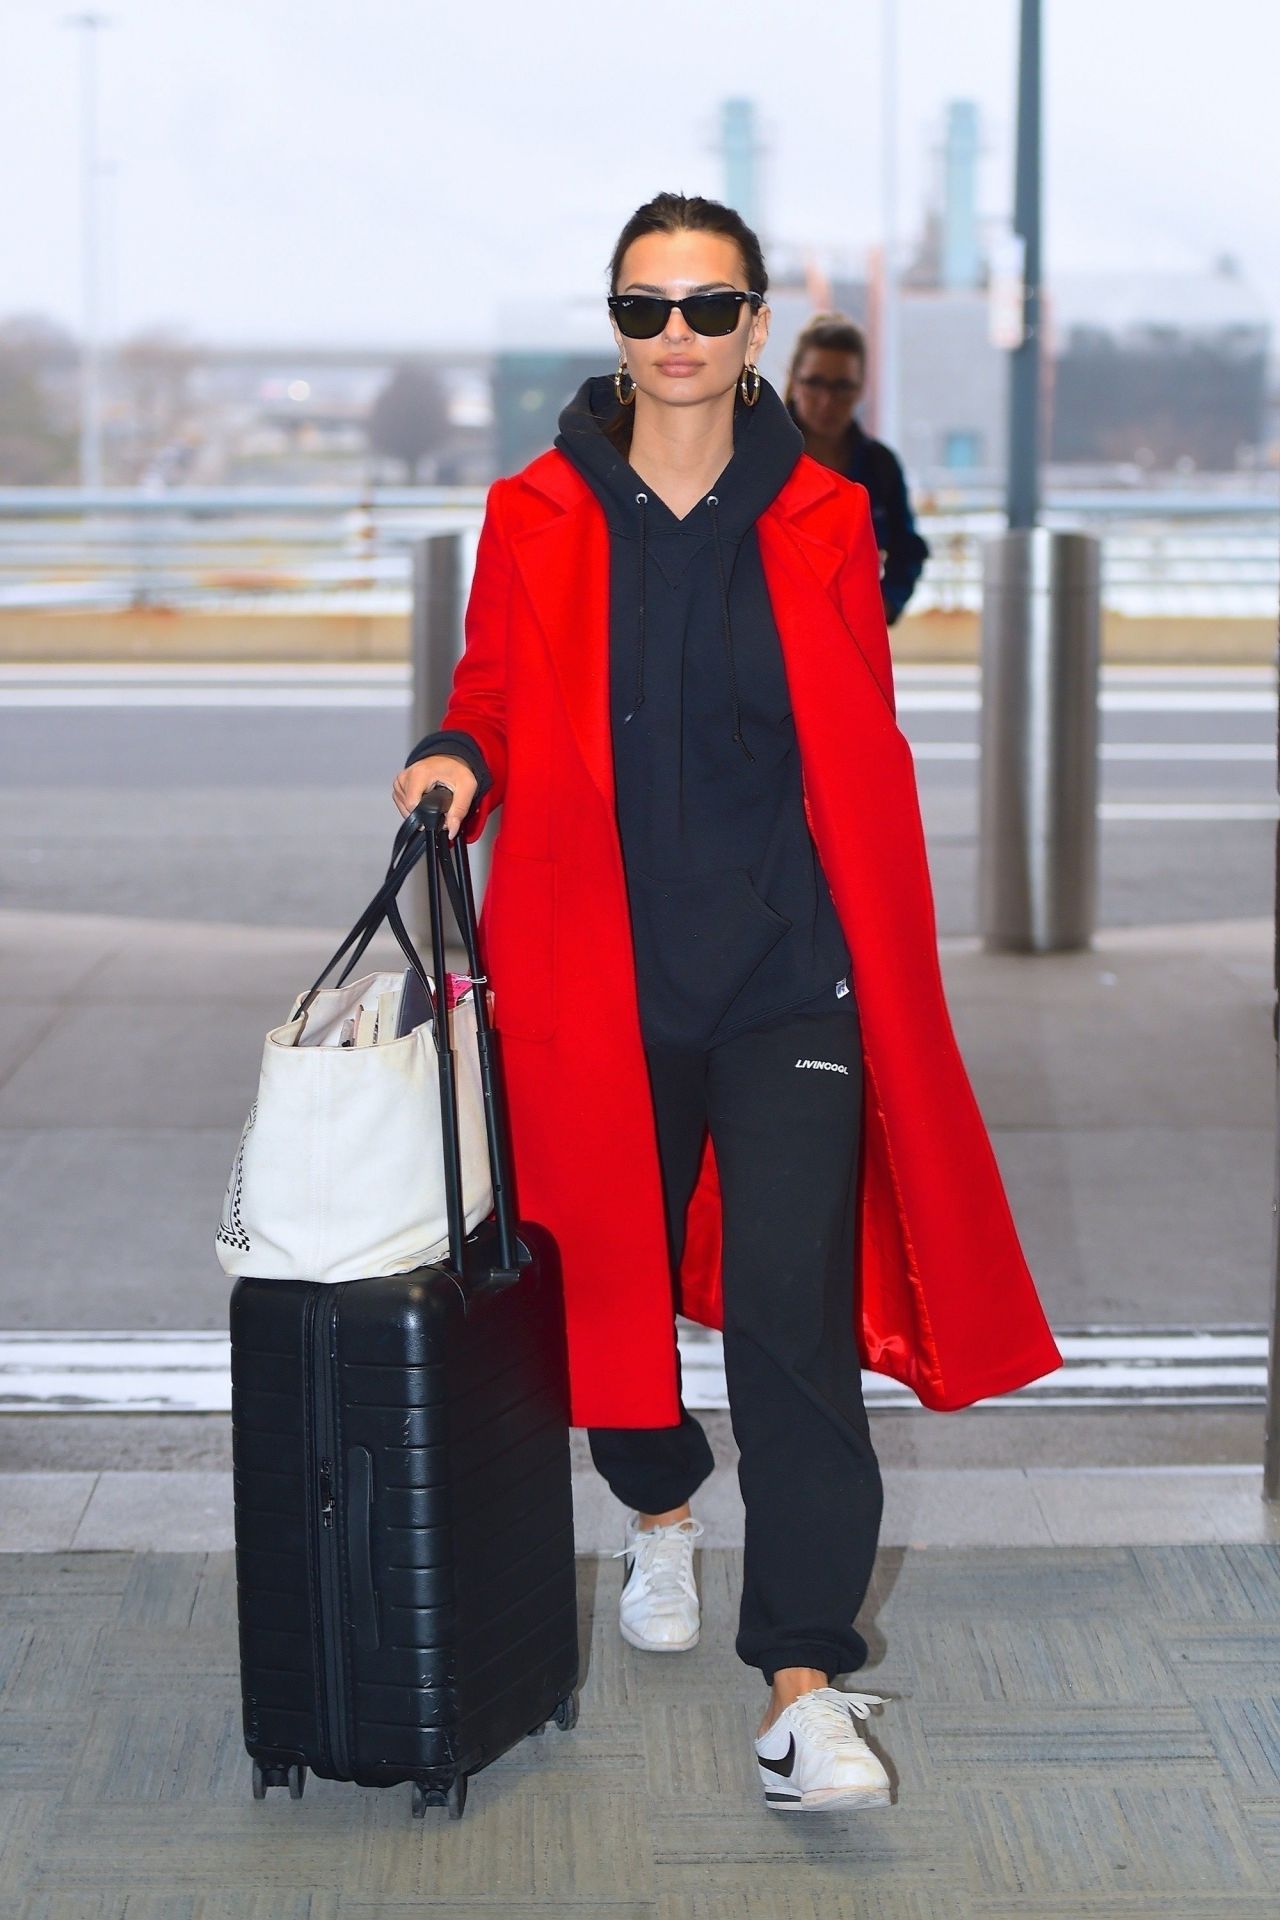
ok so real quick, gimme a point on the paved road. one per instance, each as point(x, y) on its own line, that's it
point(231, 794)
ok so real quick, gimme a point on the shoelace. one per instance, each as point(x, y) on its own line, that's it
point(660, 1555)
point(821, 1714)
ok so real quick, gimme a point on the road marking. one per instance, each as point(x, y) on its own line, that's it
point(1151, 750)
point(1111, 700)
point(1132, 1367)
point(120, 1372)
point(178, 697)
point(206, 672)
point(394, 699)
point(1161, 812)
point(918, 672)
point(246, 684)
point(386, 684)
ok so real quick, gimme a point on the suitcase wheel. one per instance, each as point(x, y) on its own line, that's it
point(566, 1714)
point(294, 1777)
point(454, 1797)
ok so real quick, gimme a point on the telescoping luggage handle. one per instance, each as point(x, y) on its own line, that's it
point(424, 832)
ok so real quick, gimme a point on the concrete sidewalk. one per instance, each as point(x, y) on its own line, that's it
point(1128, 1090)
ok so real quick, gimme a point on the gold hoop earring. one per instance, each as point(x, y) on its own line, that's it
point(624, 399)
point(749, 399)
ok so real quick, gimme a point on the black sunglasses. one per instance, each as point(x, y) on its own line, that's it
point(641, 316)
point(817, 383)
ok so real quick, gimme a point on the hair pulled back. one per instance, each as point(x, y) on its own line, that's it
point(684, 213)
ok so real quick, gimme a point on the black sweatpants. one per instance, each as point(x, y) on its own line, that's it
point(783, 1103)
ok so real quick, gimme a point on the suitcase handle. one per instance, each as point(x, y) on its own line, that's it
point(364, 1599)
point(449, 862)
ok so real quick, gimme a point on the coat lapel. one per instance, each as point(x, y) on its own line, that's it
point(808, 487)
point(562, 557)
point(561, 553)
point(797, 558)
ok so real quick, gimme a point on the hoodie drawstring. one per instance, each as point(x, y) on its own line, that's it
point(714, 505)
point(642, 501)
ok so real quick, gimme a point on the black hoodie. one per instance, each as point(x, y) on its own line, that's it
point(732, 922)
point(731, 919)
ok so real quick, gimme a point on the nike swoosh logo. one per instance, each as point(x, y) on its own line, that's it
point(786, 1765)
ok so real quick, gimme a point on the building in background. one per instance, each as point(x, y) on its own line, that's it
point(1166, 371)
point(1150, 375)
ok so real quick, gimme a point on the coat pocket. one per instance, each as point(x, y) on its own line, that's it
point(520, 915)
point(699, 940)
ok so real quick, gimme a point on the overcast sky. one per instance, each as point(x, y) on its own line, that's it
point(396, 171)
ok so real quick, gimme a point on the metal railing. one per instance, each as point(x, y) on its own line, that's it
point(342, 550)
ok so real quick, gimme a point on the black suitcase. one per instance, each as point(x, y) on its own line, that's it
point(403, 1504)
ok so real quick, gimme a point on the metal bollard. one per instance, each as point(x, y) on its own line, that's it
point(1271, 1421)
point(1271, 1424)
point(1037, 851)
point(436, 641)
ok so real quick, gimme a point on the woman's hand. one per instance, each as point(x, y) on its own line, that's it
point(412, 782)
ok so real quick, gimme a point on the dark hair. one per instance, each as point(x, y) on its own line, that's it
point(683, 213)
point(833, 331)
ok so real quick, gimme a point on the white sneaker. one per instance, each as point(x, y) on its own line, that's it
point(659, 1608)
point(814, 1757)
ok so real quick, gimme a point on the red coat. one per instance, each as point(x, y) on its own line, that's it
point(946, 1302)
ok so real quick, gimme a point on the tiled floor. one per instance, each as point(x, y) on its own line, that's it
point(1081, 1733)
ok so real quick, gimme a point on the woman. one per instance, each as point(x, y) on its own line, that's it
point(825, 382)
point(732, 1081)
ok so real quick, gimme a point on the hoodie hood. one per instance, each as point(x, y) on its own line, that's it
point(766, 446)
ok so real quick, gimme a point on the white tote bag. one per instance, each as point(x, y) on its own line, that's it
point(340, 1171)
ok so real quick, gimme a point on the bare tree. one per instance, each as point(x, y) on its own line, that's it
point(410, 417)
point(39, 365)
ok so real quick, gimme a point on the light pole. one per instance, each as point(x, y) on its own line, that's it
point(1023, 481)
point(887, 345)
point(89, 26)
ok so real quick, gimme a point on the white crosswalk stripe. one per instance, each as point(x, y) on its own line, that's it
point(918, 689)
point(124, 1372)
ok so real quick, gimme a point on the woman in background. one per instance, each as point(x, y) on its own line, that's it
point(825, 383)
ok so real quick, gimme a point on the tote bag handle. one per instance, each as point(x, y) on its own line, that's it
point(423, 832)
point(450, 863)
point(410, 845)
